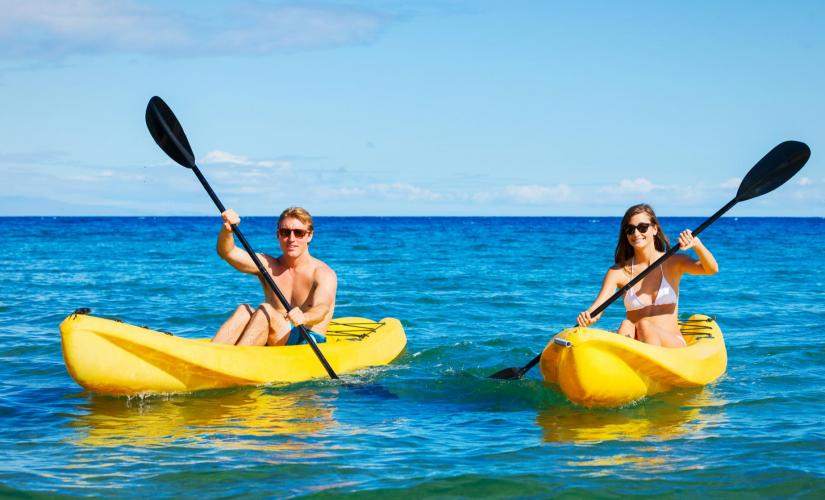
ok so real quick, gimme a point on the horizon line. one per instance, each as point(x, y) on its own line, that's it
point(414, 216)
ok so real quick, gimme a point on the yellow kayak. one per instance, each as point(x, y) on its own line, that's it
point(595, 367)
point(110, 357)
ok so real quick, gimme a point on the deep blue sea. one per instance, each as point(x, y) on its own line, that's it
point(475, 295)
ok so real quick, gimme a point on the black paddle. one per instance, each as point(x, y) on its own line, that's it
point(779, 165)
point(168, 133)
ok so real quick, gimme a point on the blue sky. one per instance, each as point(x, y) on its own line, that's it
point(409, 108)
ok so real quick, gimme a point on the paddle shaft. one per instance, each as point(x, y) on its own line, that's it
point(641, 275)
point(236, 230)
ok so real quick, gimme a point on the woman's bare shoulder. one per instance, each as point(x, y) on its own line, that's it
point(620, 268)
point(618, 274)
point(680, 261)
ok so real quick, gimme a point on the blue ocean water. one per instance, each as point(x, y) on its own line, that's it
point(475, 295)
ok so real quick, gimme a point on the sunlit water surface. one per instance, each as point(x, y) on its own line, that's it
point(475, 295)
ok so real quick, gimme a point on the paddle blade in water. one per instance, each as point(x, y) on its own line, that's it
point(508, 374)
point(167, 132)
point(779, 165)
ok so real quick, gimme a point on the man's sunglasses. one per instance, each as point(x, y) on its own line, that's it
point(643, 227)
point(285, 232)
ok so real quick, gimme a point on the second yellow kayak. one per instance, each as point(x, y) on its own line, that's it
point(595, 367)
point(110, 357)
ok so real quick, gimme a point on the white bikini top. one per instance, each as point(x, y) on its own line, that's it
point(665, 295)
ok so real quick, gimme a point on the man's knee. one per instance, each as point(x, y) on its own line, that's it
point(267, 309)
point(274, 319)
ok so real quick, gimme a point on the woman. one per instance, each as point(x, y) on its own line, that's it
point(652, 304)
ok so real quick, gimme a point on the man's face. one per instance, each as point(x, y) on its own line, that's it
point(293, 237)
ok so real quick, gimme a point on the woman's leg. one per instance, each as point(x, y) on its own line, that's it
point(232, 328)
point(653, 334)
point(627, 329)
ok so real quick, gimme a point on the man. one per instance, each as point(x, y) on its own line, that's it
point(308, 284)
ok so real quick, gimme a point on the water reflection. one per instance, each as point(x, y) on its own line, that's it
point(263, 419)
point(661, 418)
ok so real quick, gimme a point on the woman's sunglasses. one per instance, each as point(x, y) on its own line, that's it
point(285, 232)
point(643, 227)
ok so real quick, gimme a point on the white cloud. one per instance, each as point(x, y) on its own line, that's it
point(639, 185)
point(634, 187)
point(389, 191)
point(523, 194)
point(539, 194)
point(225, 158)
point(404, 191)
point(251, 185)
point(51, 29)
point(732, 183)
point(266, 28)
point(92, 175)
point(809, 196)
point(629, 191)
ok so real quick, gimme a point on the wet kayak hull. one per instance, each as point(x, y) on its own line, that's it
point(110, 357)
point(594, 367)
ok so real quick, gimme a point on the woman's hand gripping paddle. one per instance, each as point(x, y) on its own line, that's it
point(168, 133)
point(779, 165)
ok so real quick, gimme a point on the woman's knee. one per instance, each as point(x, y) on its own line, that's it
point(627, 329)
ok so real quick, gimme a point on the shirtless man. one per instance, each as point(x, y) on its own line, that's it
point(308, 284)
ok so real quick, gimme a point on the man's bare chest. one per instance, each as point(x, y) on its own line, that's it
point(297, 287)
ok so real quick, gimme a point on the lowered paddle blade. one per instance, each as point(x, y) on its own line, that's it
point(508, 374)
point(516, 373)
point(168, 133)
point(774, 169)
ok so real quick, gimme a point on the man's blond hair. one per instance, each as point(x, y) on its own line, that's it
point(298, 213)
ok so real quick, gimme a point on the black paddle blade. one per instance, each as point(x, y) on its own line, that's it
point(167, 132)
point(779, 165)
point(508, 374)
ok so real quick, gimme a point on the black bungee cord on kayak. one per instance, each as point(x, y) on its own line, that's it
point(356, 330)
point(698, 328)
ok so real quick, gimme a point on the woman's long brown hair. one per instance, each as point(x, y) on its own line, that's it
point(623, 249)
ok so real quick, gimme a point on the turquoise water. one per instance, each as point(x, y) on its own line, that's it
point(475, 295)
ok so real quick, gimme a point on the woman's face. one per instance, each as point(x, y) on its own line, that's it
point(640, 231)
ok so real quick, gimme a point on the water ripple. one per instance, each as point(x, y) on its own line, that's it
point(472, 301)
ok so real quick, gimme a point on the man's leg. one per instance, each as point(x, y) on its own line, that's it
point(232, 328)
point(279, 330)
point(265, 322)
